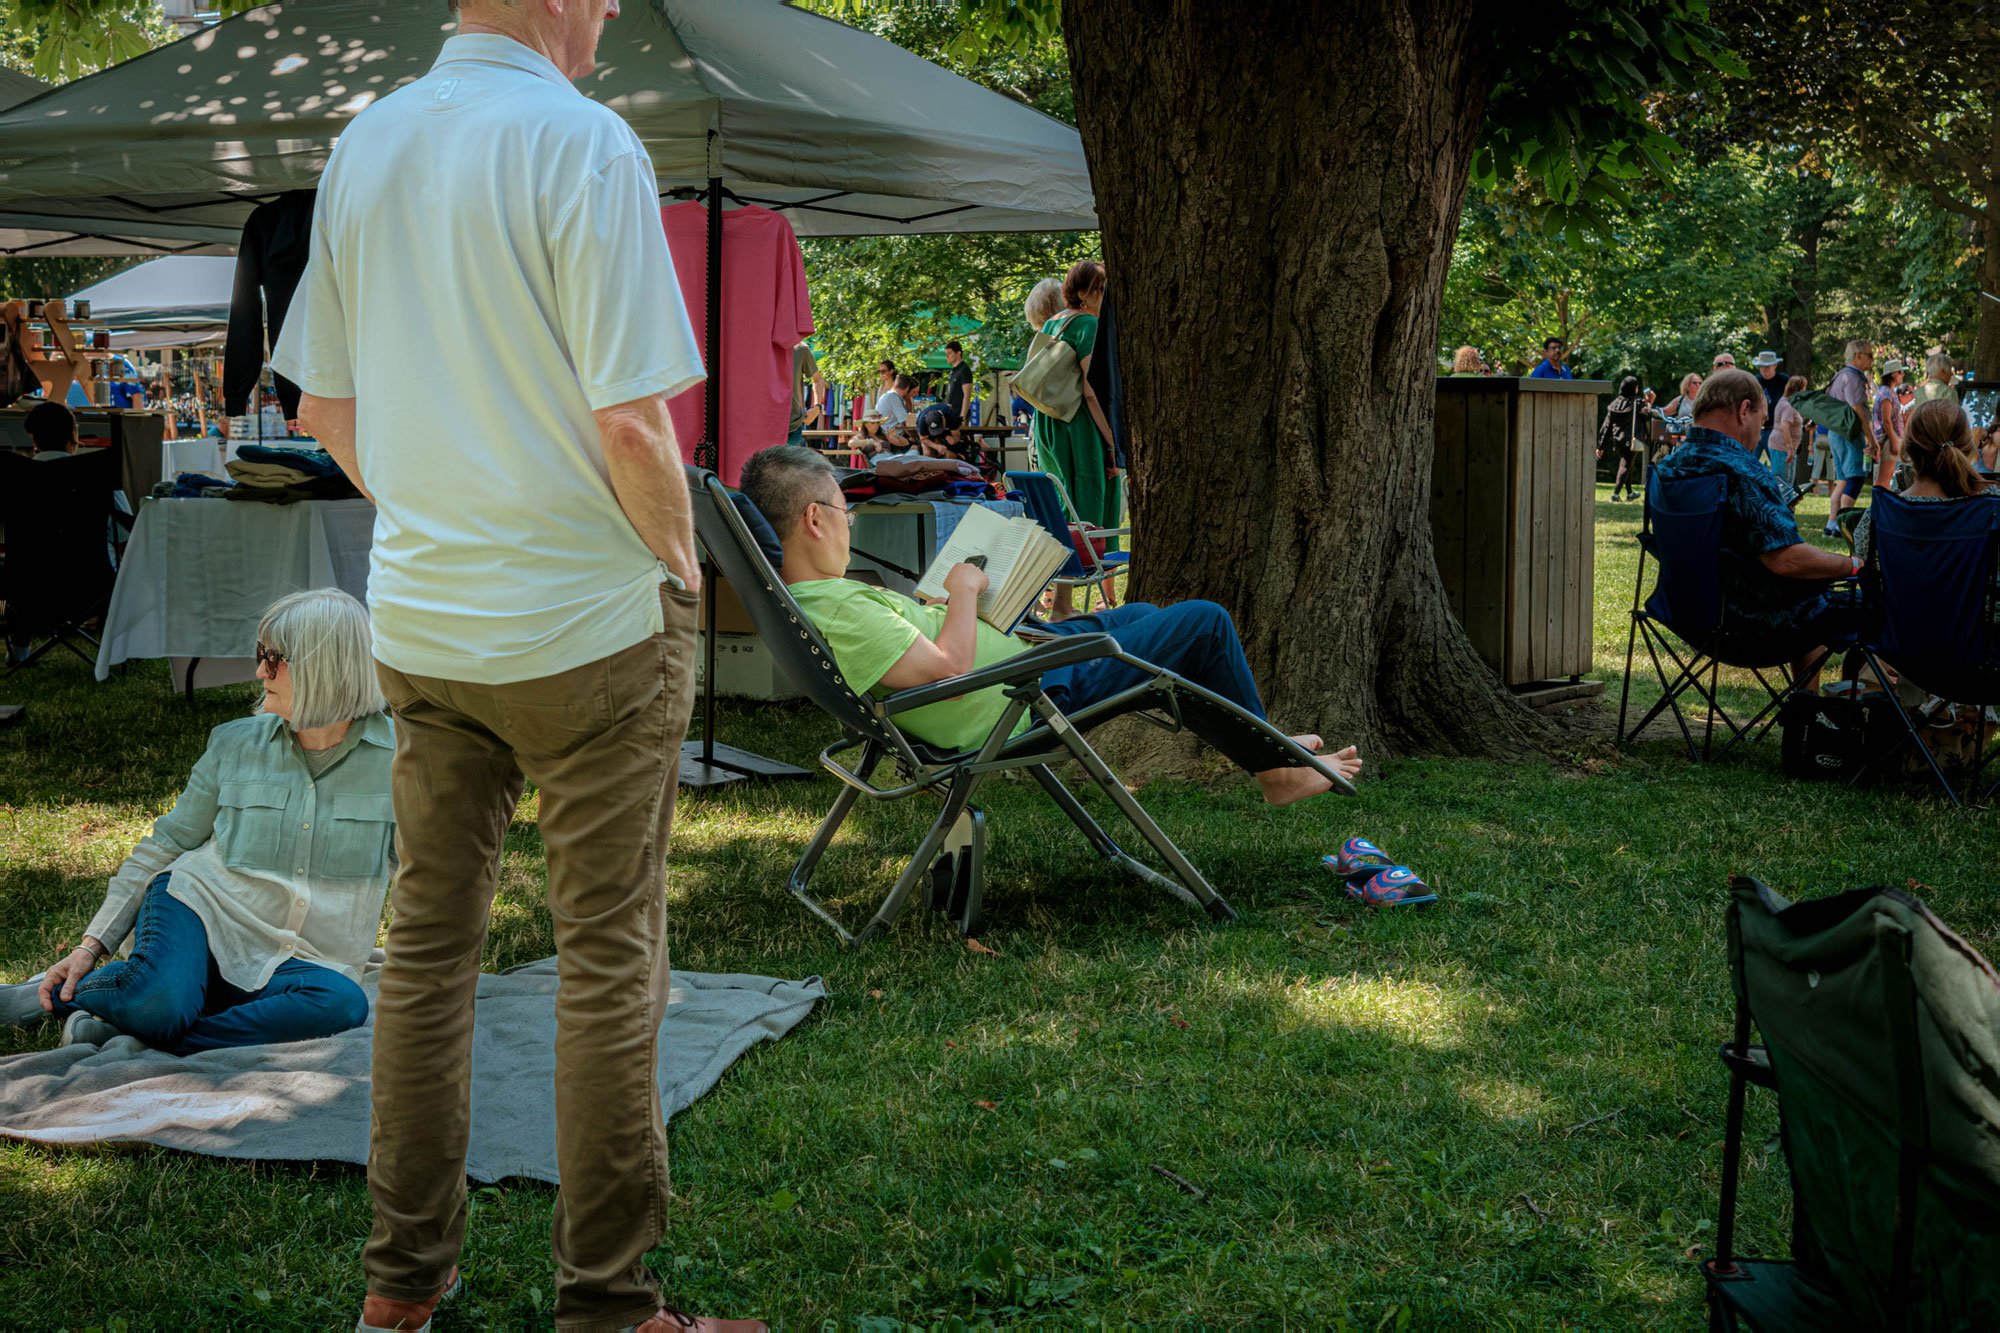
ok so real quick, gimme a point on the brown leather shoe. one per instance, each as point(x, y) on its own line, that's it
point(383, 1314)
point(673, 1321)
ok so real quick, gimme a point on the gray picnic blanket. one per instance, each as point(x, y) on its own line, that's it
point(308, 1100)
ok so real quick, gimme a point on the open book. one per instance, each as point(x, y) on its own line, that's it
point(1020, 559)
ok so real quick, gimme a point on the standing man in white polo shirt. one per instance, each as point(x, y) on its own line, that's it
point(486, 336)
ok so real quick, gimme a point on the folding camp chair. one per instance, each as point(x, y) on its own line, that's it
point(952, 853)
point(59, 571)
point(1049, 505)
point(1682, 532)
point(1881, 1033)
point(1931, 593)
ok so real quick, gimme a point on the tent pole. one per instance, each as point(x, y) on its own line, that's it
point(710, 456)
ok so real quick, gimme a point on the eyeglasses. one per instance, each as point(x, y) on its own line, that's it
point(270, 657)
point(847, 509)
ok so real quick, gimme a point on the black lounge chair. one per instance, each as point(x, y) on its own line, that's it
point(1881, 1033)
point(952, 854)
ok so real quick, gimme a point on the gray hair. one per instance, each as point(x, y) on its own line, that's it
point(782, 480)
point(1043, 303)
point(323, 634)
point(1938, 366)
point(1856, 347)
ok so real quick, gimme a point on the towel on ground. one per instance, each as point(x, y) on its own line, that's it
point(308, 1100)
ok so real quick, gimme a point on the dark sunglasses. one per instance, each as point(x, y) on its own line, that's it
point(270, 657)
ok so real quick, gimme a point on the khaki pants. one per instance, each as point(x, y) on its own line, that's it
point(602, 743)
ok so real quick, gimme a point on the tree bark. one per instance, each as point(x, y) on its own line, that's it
point(1278, 205)
point(1798, 347)
point(1986, 346)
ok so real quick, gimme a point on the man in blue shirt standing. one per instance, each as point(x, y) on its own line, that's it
point(1552, 367)
point(1775, 597)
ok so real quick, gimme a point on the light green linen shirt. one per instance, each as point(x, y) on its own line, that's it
point(869, 629)
point(277, 863)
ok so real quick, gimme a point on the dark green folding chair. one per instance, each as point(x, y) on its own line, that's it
point(1881, 1037)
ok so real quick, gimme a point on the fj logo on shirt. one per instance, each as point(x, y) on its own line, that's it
point(445, 90)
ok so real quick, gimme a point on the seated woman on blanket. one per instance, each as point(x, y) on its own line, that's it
point(255, 901)
point(884, 641)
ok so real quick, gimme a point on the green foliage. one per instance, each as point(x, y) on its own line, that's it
point(1701, 263)
point(902, 296)
point(1676, 278)
point(41, 278)
point(59, 40)
point(1568, 105)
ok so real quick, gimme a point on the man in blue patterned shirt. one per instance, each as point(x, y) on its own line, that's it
point(1774, 591)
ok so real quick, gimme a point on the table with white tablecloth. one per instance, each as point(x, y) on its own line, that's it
point(198, 574)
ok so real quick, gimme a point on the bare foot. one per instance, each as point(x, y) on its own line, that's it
point(1287, 786)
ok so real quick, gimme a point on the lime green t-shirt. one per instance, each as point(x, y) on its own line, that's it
point(869, 629)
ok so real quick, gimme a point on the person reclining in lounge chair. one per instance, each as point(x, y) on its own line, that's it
point(884, 641)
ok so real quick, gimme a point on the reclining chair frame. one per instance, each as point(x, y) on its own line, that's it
point(952, 854)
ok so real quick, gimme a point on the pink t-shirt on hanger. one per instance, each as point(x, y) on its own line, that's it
point(766, 312)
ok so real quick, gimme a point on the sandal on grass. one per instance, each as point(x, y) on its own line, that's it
point(1358, 857)
point(1394, 886)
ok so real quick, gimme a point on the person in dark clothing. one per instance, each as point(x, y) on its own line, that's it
point(270, 259)
point(958, 385)
point(1621, 434)
point(52, 427)
point(1776, 587)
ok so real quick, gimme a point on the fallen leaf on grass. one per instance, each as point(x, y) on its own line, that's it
point(951, 1046)
point(1177, 1021)
point(974, 946)
point(987, 1106)
point(874, 995)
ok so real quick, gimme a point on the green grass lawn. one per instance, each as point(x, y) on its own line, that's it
point(1505, 1111)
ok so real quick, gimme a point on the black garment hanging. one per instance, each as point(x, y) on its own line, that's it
point(270, 259)
point(1106, 377)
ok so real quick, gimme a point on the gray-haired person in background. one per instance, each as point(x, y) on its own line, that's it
point(486, 336)
point(254, 903)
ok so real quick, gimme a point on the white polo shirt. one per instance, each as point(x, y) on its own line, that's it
point(488, 267)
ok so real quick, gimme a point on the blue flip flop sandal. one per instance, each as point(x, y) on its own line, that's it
point(1397, 886)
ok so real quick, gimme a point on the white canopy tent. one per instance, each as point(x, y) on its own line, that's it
point(181, 293)
point(844, 132)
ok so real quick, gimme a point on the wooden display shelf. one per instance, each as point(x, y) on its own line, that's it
point(73, 361)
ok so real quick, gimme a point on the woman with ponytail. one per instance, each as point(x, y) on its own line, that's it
point(1938, 441)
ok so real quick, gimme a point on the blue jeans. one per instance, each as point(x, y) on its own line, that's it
point(169, 995)
point(1195, 640)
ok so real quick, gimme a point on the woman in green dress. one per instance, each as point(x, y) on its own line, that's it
point(1078, 452)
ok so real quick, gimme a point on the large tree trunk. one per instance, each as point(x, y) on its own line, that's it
point(1798, 347)
point(1278, 186)
point(1986, 350)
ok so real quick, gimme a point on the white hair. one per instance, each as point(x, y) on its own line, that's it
point(1938, 366)
point(1043, 303)
point(323, 634)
